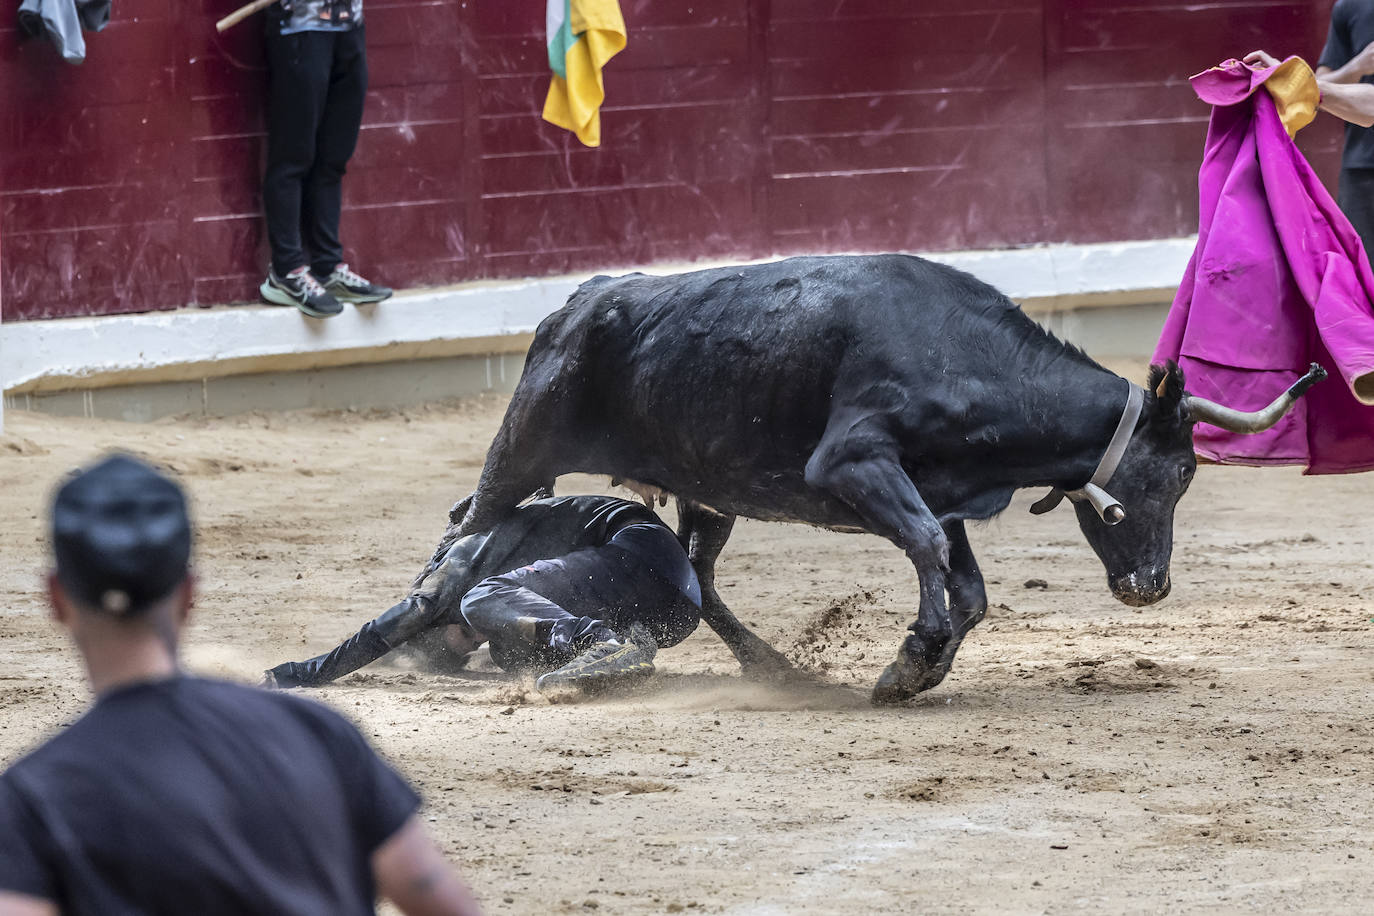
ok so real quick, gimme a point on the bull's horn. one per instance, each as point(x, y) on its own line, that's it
point(1257, 421)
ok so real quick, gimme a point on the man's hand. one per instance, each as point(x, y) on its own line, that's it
point(1263, 60)
point(461, 639)
point(1345, 98)
point(24, 905)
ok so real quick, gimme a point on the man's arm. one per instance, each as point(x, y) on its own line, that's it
point(407, 867)
point(27, 885)
point(24, 905)
point(376, 638)
point(412, 873)
point(1353, 102)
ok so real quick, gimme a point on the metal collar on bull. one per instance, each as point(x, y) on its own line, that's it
point(1107, 508)
point(1197, 410)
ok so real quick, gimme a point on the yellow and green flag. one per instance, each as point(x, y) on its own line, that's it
point(583, 36)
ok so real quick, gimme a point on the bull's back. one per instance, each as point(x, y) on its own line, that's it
point(715, 357)
point(688, 378)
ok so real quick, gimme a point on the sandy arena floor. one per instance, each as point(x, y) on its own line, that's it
point(1212, 753)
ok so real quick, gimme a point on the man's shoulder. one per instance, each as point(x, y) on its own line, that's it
point(52, 752)
point(236, 699)
point(127, 740)
point(257, 701)
point(110, 717)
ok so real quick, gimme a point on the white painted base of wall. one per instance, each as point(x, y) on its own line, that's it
point(359, 387)
point(1061, 285)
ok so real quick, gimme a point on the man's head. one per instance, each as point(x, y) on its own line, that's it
point(121, 541)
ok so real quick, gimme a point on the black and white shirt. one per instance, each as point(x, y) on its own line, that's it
point(320, 15)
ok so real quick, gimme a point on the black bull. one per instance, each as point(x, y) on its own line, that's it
point(882, 394)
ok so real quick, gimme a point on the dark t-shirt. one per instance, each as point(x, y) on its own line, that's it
point(553, 527)
point(602, 516)
point(559, 526)
point(1352, 27)
point(197, 796)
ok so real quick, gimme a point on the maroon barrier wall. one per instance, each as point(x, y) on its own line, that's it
point(734, 128)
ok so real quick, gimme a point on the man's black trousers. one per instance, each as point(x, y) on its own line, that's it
point(316, 85)
point(1355, 195)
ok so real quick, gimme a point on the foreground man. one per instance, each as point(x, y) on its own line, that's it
point(175, 794)
point(582, 588)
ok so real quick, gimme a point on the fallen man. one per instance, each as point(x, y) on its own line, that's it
point(584, 589)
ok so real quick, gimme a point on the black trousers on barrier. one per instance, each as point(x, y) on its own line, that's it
point(316, 85)
point(539, 615)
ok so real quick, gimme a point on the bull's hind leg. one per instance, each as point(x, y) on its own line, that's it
point(703, 534)
point(537, 441)
point(520, 462)
point(968, 598)
point(857, 462)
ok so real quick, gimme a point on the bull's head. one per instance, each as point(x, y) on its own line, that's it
point(1154, 473)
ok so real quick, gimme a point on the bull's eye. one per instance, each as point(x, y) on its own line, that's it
point(1184, 474)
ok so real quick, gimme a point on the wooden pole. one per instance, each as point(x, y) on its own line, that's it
point(242, 13)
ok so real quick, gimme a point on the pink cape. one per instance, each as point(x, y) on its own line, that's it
point(1279, 279)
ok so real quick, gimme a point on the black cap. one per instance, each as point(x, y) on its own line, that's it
point(121, 536)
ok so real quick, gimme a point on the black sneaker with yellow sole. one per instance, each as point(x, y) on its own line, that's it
point(606, 664)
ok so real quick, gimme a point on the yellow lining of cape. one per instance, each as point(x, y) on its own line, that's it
point(1293, 86)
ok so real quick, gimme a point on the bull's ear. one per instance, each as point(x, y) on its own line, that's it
point(1166, 382)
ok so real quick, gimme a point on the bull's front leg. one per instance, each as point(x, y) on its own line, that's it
point(866, 473)
point(926, 654)
point(968, 598)
point(923, 662)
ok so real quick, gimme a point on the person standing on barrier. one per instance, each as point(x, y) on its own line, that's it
point(317, 80)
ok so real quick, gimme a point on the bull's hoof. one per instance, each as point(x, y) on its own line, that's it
point(916, 670)
point(904, 678)
point(761, 662)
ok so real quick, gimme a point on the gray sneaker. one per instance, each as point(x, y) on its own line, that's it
point(606, 663)
point(301, 289)
point(346, 286)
